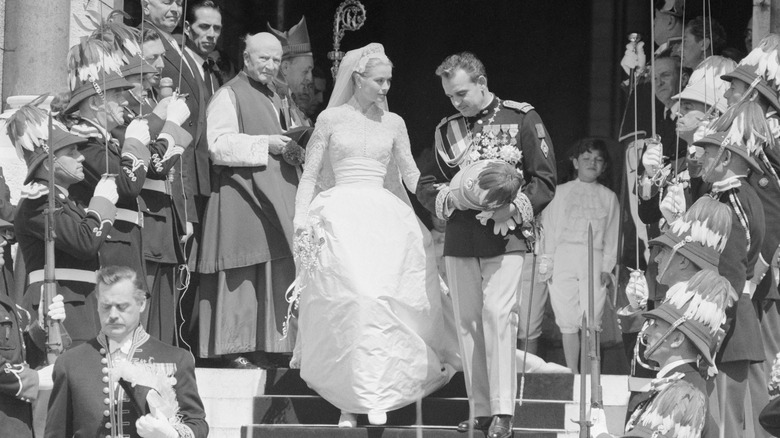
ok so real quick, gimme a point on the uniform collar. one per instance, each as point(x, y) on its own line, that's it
point(668, 368)
point(729, 183)
point(485, 112)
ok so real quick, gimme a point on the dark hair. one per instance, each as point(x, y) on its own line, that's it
point(712, 29)
point(111, 275)
point(200, 4)
point(465, 61)
point(149, 35)
point(590, 144)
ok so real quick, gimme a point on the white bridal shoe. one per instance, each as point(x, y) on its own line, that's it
point(377, 418)
point(347, 420)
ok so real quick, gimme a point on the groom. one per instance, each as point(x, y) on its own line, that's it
point(484, 262)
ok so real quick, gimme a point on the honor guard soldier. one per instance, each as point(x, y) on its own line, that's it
point(19, 384)
point(97, 94)
point(79, 232)
point(484, 251)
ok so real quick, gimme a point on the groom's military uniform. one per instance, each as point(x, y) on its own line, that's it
point(484, 268)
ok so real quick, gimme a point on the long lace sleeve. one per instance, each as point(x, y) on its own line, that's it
point(402, 153)
point(315, 153)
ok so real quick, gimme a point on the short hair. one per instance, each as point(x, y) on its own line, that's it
point(698, 27)
point(591, 144)
point(200, 4)
point(149, 35)
point(465, 61)
point(110, 275)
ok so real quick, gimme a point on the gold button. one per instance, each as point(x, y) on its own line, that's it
point(105, 379)
point(105, 390)
point(106, 413)
point(108, 425)
point(105, 370)
point(102, 351)
point(104, 361)
point(106, 401)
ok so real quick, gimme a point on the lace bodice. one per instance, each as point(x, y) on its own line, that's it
point(344, 132)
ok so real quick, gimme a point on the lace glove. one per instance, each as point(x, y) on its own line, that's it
point(652, 159)
point(139, 130)
point(673, 204)
point(106, 188)
point(637, 290)
point(45, 379)
point(150, 426)
point(545, 267)
point(178, 112)
point(633, 58)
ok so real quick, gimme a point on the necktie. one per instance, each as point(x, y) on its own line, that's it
point(208, 69)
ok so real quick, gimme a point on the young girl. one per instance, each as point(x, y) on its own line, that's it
point(577, 203)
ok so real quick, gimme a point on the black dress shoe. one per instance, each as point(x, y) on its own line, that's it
point(501, 427)
point(479, 423)
point(241, 363)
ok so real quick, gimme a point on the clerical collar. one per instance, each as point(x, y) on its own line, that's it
point(666, 370)
point(259, 86)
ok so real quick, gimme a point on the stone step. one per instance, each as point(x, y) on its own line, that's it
point(537, 386)
point(308, 410)
point(326, 431)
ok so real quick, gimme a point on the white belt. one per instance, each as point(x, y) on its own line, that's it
point(157, 185)
point(134, 217)
point(65, 274)
point(639, 384)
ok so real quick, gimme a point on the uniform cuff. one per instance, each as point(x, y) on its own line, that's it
point(525, 211)
point(443, 212)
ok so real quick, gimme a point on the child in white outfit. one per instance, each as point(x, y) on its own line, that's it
point(576, 204)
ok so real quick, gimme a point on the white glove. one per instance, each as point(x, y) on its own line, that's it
point(636, 290)
point(161, 109)
point(545, 267)
point(673, 204)
point(106, 188)
point(189, 231)
point(504, 227)
point(633, 58)
point(45, 380)
point(653, 157)
point(150, 426)
point(178, 112)
point(139, 130)
point(57, 308)
point(598, 421)
point(484, 216)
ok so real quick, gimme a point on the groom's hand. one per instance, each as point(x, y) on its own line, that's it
point(276, 143)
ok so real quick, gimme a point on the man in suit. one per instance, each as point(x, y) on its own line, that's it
point(484, 258)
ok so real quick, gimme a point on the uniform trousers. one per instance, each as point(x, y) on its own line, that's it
point(484, 295)
point(537, 303)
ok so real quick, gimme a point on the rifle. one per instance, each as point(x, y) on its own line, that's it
point(54, 346)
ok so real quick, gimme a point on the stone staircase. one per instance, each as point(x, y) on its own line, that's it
point(277, 403)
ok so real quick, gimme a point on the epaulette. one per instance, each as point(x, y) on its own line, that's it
point(447, 119)
point(34, 190)
point(523, 107)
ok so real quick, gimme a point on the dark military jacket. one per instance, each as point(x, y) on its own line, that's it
point(129, 162)
point(84, 404)
point(79, 234)
point(516, 124)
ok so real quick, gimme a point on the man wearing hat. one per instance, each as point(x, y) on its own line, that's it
point(295, 73)
point(98, 90)
point(691, 244)
point(680, 335)
point(163, 200)
point(19, 384)
point(726, 165)
point(79, 232)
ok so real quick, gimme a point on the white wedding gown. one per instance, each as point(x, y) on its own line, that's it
point(370, 306)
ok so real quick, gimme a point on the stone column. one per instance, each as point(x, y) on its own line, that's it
point(35, 45)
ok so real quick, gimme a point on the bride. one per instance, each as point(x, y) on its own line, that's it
point(368, 310)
